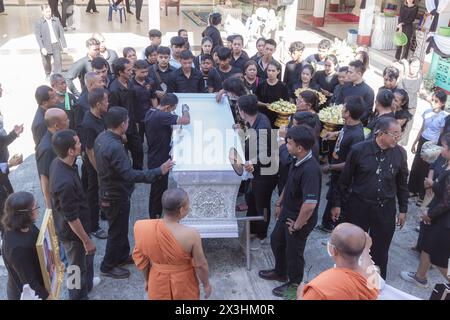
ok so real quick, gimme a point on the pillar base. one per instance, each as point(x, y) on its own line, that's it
point(333, 7)
point(363, 40)
point(318, 21)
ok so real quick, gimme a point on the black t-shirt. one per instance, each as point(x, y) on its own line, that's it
point(214, 34)
point(326, 82)
point(216, 77)
point(158, 130)
point(22, 262)
point(45, 155)
point(348, 136)
point(298, 85)
point(292, 72)
point(240, 62)
point(374, 122)
point(143, 93)
point(69, 201)
point(267, 93)
point(303, 186)
point(38, 127)
point(91, 127)
point(178, 82)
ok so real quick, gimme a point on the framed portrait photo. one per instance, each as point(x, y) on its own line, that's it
point(49, 259)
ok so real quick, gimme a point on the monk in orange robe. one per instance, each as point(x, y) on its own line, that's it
point(169, 254)
point(354, 278)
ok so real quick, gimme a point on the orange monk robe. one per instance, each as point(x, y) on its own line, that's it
point(339, 284)
point(172, 274)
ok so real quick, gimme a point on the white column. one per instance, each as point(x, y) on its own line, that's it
point(365, 23)
point(319, 13)
point(290, 16)
point(154, 15)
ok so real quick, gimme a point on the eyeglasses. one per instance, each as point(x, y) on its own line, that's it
point(397, 135)
point(28, 210)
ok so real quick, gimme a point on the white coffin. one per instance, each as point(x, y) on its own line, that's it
point(200, 151)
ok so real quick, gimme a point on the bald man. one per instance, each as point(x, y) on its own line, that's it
point(354, 276)
point(92, 80)
point(55, 120)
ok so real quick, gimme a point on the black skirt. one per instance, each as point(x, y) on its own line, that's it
point(419, 171)
point(437, 243)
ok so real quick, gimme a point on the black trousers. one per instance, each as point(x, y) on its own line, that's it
point(288, 249)
point(127, 4)
point(156, 191)
point(2, 6)
point(67, 12)
point(117, 245)
point(134, 145)
point(5, 190)
point(139, 8)
point(77, 257)
point(379, 221)
point(327, 220)
point(92, 193)
point(54, 6)
point(91, 6)
point(402, 52)
point(258, 198)
point(405, 138)
point(57, 60)
point(419, 171)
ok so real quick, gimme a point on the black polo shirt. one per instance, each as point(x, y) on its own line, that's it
point(91, 127)
point(158, 76)
point(348, 136)
point(116, 176)
point(69, 201)
point(362, 90)
point(216, 77)
point(143, 93)
point(38, 127)
point(158, 130)
point(178, 82)
point(303, 186)
point(45, 155)
point(240, 62)
point(79, 109)
point(122, 96)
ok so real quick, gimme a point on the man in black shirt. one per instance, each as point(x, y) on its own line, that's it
point(296, 212)
point(318, 60)
point(186, 79)
point(261, 155)
point(160, 73)
point(158, 130)
point(223, 71)
point(375, 173)
point(294, 67)
point(116, 178)
point(145, 95)
point(390, 78)
point(70, 210)
point(55, 120)
point(82, 66)
point(383, 108)
point(122, 95)
point(269, 50)
point(90, 128)
point(46, 99)
point(349, 135)
point(239, 57)
point(92, 81)
point(357, 87)
point(102, 68)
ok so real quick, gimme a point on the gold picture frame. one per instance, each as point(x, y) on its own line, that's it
point(47, 247)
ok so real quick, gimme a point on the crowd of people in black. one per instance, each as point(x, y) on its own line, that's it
point(125, 102)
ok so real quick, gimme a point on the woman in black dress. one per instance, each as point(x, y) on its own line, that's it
point(306, 81)
point(251, 79)
point(327, 79)
point(19, 246)
point(271, 90)
point(408, 13)
point(212, 31)
point(436, 245)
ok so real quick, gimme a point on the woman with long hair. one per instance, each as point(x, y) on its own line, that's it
point(212, 31)
point(408, 13)
point(305, 82)
point(206, 48)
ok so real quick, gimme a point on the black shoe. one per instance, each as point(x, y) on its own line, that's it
point(284, 288)
point(95, 11)
point(88, 12)
point(116, 273)
point(129, 12)
point(127, 261)
point(271, 275)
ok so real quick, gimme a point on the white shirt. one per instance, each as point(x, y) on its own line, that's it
point(53, 38)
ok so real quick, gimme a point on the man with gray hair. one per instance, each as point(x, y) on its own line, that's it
point(169, 254)
point(92, 81)
point(66, 100)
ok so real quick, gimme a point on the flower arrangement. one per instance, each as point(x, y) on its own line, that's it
point(343, 51)
point(320, 95)
point(332, 114)
point(282, 106)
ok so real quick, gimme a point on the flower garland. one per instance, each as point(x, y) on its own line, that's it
point(320, 95)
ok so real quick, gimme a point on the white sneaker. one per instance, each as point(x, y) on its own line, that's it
point(96, 281)
point(255, 244)
point(411, 277)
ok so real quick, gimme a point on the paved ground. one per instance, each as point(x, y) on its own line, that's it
point(22, 72)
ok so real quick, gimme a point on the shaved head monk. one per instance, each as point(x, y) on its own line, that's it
point(169, 254)
point(354, 276)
